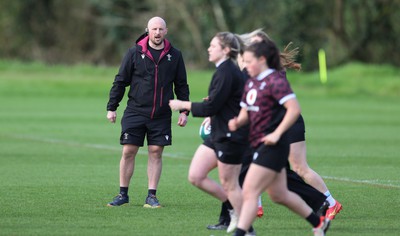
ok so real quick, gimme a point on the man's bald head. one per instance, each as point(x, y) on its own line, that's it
point(156, 21)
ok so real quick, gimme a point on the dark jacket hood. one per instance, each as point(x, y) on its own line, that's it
point(141, 37)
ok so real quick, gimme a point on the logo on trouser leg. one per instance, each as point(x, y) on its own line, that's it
point(126, 135)
point(166, 137)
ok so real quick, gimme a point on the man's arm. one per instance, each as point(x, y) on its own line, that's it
point(121, 81)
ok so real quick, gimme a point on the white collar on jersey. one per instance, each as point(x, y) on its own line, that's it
point(222, 60)
point(265, 73)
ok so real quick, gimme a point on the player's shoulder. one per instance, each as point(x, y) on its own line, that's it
point(277, 77)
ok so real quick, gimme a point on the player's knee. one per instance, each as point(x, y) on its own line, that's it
point(128, 155)
point(227, 187)
point(129, 152)
point(195, 179)
point(248, 194)
point(300, 170)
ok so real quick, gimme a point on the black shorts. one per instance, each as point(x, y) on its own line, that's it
point(274, 157)
point(135, 127)
point(227, 152)
point(247, 159)
point(297, 132)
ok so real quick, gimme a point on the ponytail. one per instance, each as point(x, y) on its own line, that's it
point(287, 57)
point(269, 50)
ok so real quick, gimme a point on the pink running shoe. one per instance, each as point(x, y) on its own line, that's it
point(332, 211)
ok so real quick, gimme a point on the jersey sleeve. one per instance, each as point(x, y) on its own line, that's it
point(281, 90)
point(219, 92)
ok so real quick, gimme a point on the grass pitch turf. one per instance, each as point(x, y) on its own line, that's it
point(59, 156)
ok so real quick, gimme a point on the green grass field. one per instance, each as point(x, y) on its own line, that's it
point(59, 156)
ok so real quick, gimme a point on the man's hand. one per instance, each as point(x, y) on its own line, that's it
point(112, 116)
point(182, 120)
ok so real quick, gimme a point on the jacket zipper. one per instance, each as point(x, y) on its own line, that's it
point(155, 93)
point(156, 84)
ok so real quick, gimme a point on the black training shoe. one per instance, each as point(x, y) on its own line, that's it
point(222, 225)
point(119, 200)
point(151, 202)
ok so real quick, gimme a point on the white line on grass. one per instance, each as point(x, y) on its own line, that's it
point(179, 156)
point(91, 145)
point(369, 182)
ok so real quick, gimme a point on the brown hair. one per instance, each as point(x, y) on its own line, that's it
point(230, 40)
point(267, 49)
point(287, 57)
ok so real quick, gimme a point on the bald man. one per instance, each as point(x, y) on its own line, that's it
point(155, 72)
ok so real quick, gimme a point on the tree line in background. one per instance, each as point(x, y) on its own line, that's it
point(100, 31)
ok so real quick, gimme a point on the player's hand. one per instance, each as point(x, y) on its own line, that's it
point(175, 105)
point(182, 120)
point(112, 116)
point(271, 139)
point(207, 119)
point(232, 124)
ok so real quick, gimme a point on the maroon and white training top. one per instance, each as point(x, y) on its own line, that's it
point(263, 97)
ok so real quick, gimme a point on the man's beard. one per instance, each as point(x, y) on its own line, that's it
point(157, 43)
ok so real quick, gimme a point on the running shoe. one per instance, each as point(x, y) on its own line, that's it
point(252, 233)
point(260, 212)
point(222, 225)
point(323, 226)
point(234, 221)
point(151, 202)
point(332, 211)
point(119, 200)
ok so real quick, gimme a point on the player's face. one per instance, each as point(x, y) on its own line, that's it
point(157, 32)
point(215, 51)
point(254, 65)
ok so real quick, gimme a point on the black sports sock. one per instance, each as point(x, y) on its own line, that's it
point(152, 192)
point(228, 205)
point(224, 212)
point(123, 191)
point(313, 219)
point(251, 229)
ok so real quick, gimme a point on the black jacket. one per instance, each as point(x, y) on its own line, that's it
point(224, 96)
point(152, 83)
